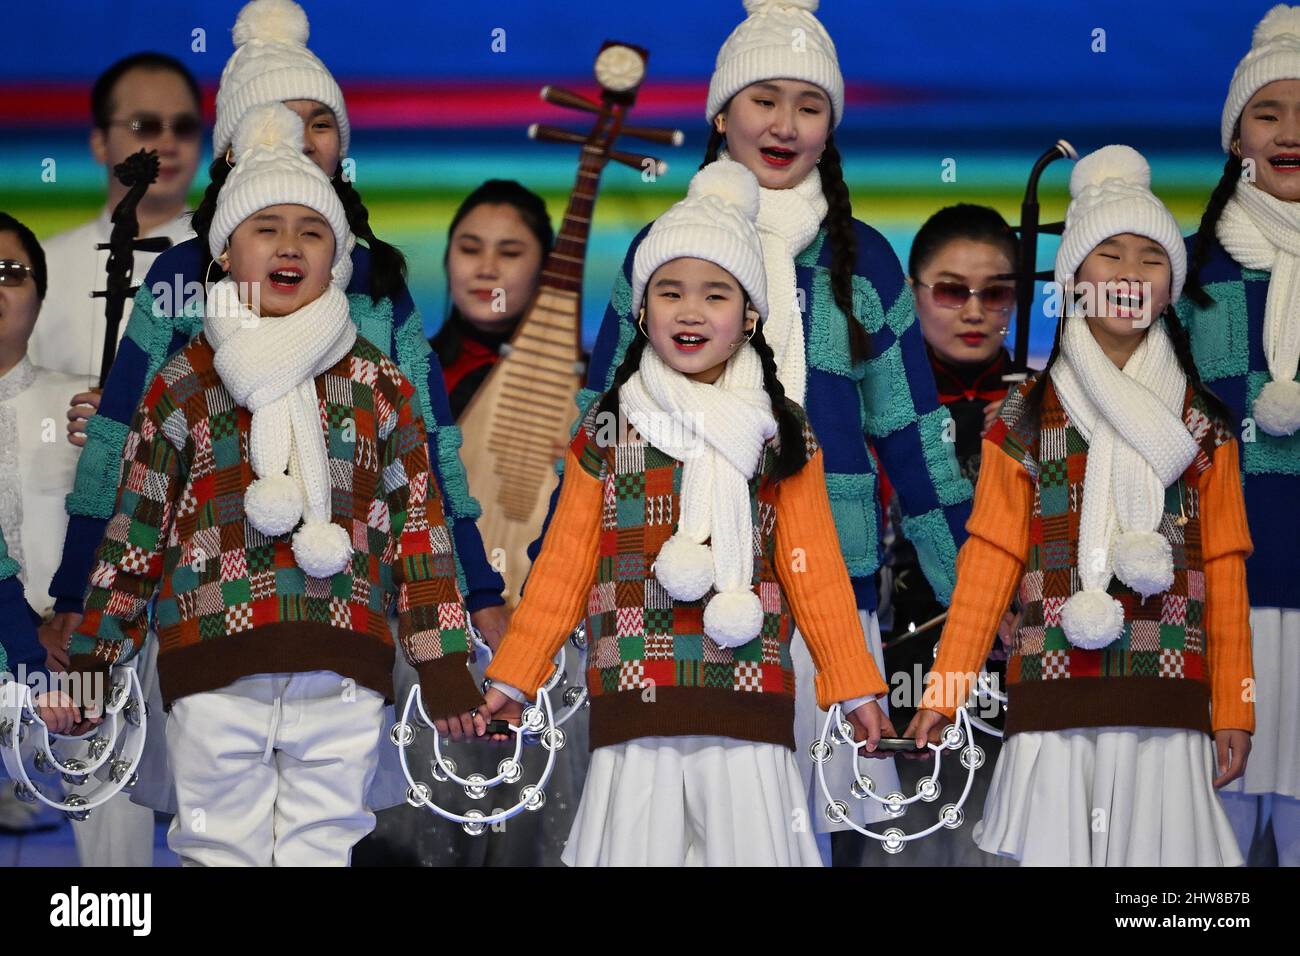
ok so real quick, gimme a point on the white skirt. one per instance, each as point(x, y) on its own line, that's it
point(808, 721)
point(692, 801)
point(1274, 762)
point(1126, 796)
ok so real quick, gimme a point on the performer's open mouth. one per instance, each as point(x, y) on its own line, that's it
point(687, 342)
point(1125, 304)
point(285, 280)
point(1285, 162)
point(778, 156)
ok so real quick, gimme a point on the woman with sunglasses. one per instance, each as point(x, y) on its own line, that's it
point(960, 270)
point(144, 101)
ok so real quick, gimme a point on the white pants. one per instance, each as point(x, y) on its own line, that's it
point(272, 770)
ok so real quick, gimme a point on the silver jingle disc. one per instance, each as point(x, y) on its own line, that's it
point(862, 787)
point(846, 732)
point(41, 762)
point(820, 751)
point(73, 774)
point(533, 720)
point(97, 744)
point(474, 829)
point(116, 694)
point(952, 816)
point(6, 727)
point(928, 790)
point(130, 784)
point(894, 805)
point(76, 816)
point(476, 787)
point(573, 696)
point(26, 717)
point(972, 756)
point(579, 637)
point(553, 739)
point(437, 770)
point(837, 811)
point(401, 734)
point(486, 685)
point(953, 737)
point(533, 797)
point(510, 770)
point(24, 793)
point(132, 713)
point(894, 842)
point(419, 795)
point(118, 768)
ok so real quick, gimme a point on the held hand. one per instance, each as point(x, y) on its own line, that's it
point(1007, 629)
point(461, 726)
point(492, 623)
point(83, 407)
point(927, 728)
point(870, 724)
point(498, 706)
point(991, 411)
point(1231, 747)
point(58, 711)
point(56, 646)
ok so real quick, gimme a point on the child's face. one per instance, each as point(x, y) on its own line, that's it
point(18, 303)
point(695, 317)
point(320, 134)
point(493, 264)
point(778, 129)
point(1127, 280)
point(1270, 138)
point(969, 332)
point(285, 253)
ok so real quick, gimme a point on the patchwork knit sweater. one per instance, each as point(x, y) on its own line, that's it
point(1228, 345)
point(232, 602)
point(165, 317)
point(888, 400)
point(1183, 659)
point(651, 669)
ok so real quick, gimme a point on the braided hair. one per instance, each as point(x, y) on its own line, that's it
point(792, 450)
point(1205, 234)
point(839, 232)
point(387, 264)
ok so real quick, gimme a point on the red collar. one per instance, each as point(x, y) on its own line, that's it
point(971, 382)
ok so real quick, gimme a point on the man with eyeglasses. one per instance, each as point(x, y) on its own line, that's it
point(145, 101)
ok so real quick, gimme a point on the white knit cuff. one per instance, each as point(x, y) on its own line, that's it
point(514, 693)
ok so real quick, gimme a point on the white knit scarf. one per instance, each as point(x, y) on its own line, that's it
point(718, 432)
point(268, 364)
point(788, 220)
point(1137, 447)
point(1261, 231)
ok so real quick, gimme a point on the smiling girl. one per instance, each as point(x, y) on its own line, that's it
point(1242, 312)
point(686, 491)
point(1110, 493)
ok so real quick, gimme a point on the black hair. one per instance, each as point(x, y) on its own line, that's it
point(101, 94)
point(1205, 237)
point(387, 264)
point(1182, 349)
point(33, 249)
point(531, 207)
point(839, 232)
point(792, 452)
point(961, 221)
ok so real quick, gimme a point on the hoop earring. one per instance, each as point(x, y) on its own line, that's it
point(223, 260)
point(230, 152)
point(640, 323)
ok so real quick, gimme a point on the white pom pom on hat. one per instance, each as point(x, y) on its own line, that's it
point(729, 182)
point(1274, 55)
point(270, 127)
point(274, 21)
point(1111, 194)
point(759, 6)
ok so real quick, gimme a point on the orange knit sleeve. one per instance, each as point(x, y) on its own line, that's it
point(558, 585)
point(989, 568)
point(811, 570)
point(1225, 545)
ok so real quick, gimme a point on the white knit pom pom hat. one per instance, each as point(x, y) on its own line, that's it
point(271, 169)
point(1111, 194)
point(780, 39)
point(1274, 55)
point(271, 64)
point(714, 222)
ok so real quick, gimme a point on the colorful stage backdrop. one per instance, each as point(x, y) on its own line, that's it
point(440, 94)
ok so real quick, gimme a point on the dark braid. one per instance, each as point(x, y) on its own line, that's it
point(1034, 397)
point(1205, 237)
point(387, 264)
point(1183, 349)
point(631, 362)
point(839, 232)
point(793, 450)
